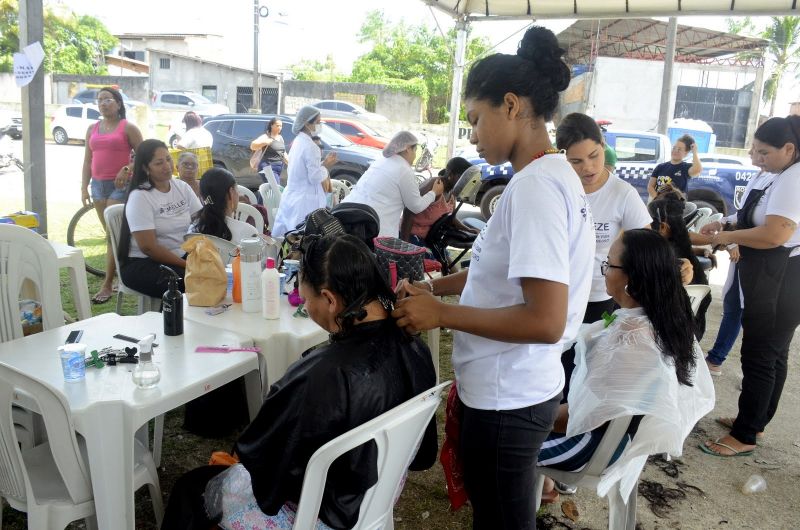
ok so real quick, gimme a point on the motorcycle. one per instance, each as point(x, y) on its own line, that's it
point(424, 164)
point(7, 156)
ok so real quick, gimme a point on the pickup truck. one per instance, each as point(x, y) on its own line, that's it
point(720, 185)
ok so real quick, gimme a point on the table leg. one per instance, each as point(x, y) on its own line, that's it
point(80, 286)
point(433, 345)
point(109, 443)
point(252, 385)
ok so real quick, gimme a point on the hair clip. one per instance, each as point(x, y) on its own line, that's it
point(608, 319)
point(95, 361)
point(208, 201)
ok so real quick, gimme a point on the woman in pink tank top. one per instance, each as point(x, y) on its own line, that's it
point(106, 169)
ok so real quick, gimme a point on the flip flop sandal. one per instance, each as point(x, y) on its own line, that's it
point(101, 299)
point(727, 422)
point(709, 451)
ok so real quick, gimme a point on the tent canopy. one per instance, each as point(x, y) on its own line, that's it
point(541, 9)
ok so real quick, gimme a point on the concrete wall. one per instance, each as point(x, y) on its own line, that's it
point(397, 106)
point(193, 74)
point(11, 94)
point(65, 86)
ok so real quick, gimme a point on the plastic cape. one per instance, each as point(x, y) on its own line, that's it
point(328, 392)
point(620, 371)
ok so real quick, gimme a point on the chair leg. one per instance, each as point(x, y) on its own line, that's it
point(158, 435)
point(622, 514)
point(539, 487)
point(91, 522)
point(119, 302)
point(158, 503)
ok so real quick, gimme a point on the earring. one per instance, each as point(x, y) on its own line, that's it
point(626, 289)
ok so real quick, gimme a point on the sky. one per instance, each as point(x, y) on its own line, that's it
point(300, 29)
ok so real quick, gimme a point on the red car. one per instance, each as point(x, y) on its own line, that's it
point(357, 132)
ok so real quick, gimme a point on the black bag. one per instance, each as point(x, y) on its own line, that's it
point(359, 220)
point(400, 259)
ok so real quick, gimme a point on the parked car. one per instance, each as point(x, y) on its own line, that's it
point(186, 100)
point(11, 123)
point(71, 122)
point(358, 132)
point(344, 109)
point(233, 133)
point(89, 97)
point(720, 186)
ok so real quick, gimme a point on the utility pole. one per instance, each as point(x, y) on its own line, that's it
point(256, 106)
point(667, 96)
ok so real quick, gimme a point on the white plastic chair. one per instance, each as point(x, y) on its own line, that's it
point(271, 196)
point(714, 218)
point(696, 294)
point(25, 255)
point(243, 211)
point(700, 219)
point(246, 192)
point(50, 482)
point(397, 433)
point(340, 191)
point(226, 248)
point(113, 215)
point(621, 512)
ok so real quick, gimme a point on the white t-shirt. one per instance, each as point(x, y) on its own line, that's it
point(388, 186)
point(782, 198)
point(169, 214)
point(196, 137)
point(239, 229)
point(542, 228)
point(615, 207)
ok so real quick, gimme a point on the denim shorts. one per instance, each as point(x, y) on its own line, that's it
point(105, 189)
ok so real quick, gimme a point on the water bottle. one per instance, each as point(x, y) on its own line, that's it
point(146, 374)
point(172, 305)
point(73, 361)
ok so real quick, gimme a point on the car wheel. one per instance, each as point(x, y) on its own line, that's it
point(490, 200)
point(173, 141)
point(60, 136)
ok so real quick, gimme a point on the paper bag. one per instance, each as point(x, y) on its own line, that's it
point(205, 278)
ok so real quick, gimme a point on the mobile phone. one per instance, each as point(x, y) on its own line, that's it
point(74, 336)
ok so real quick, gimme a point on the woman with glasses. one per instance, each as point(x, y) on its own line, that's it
point(389, 185)
point(158, 213)
point(642, 362)
point(369, 367)
point(106, 167)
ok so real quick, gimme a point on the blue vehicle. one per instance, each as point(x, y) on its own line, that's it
point(720, 185)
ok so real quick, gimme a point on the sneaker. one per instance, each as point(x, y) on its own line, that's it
point(566, 489)
point(714, 369)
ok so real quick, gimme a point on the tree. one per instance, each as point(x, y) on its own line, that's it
point(313, 70)
point(415, 57)
point(72, 44)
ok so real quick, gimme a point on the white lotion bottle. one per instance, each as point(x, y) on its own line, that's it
point(270, 291)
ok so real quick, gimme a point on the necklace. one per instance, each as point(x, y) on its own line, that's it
point(551, 151)
point(105, 128)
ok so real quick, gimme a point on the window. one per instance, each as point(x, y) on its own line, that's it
point(183, 100)
point(93, 114)
point(74, 112)
point(169, 98)
point(248, 129)
point(325, 105)
point(345, 107)
point(348, 130)
point(222, 127)
point(210, 91)
point(636, 149)
point(163, 63)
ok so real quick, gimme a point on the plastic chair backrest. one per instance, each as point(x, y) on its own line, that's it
point(714, 218)
point(397, 434)
point(271, 195)
point(226, 248)
point(24, 254)
point(340, 190)
point(14, 481)
point(246, 192)
point(243, 211)
point(696, 294)
point(113, 216)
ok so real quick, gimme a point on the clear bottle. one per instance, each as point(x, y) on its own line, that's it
point(270, 291)
point(73, 361)
point(146, 374)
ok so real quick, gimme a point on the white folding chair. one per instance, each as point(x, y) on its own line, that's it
point(243, 211)
point(621, 512)
point(340, 191)
point(226, 248)
point(25, 255)
point(113, 215)
point(271, 196)
point(696, 294)
point(51, 482)
point(397, 433)
point(246, 192)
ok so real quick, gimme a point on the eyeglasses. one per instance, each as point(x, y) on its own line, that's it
point(606, 265)
point(105, 101)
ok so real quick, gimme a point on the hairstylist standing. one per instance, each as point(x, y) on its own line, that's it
point(303, 193)
point(769, 274)
point(106, 166)
point(524, 294)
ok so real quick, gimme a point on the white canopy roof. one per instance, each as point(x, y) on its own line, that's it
point(539, 9)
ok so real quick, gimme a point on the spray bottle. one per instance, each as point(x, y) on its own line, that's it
point(172, 305)
point(146, 374)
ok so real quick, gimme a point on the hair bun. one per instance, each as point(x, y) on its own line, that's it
point(540, 46)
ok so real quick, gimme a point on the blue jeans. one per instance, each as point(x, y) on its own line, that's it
point(731, 322)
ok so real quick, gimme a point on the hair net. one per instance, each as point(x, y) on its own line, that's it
point(304, 115)
point(399, 142)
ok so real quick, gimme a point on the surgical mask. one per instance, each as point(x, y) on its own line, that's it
point(316, 128)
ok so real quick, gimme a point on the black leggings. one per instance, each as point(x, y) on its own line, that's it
point(144, 275)
point(771, 314)
point(186, 509)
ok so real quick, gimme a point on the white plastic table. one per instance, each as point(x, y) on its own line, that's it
point(71, 258)
point(108, 409)
point(282, 341)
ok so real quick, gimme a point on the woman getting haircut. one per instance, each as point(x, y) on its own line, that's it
point(220, 199)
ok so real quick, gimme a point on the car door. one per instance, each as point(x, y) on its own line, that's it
point(90, 117)
point(238, 149)
point(353, 134)
point(74, 123)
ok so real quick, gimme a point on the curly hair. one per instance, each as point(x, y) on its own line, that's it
point(654, 281)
